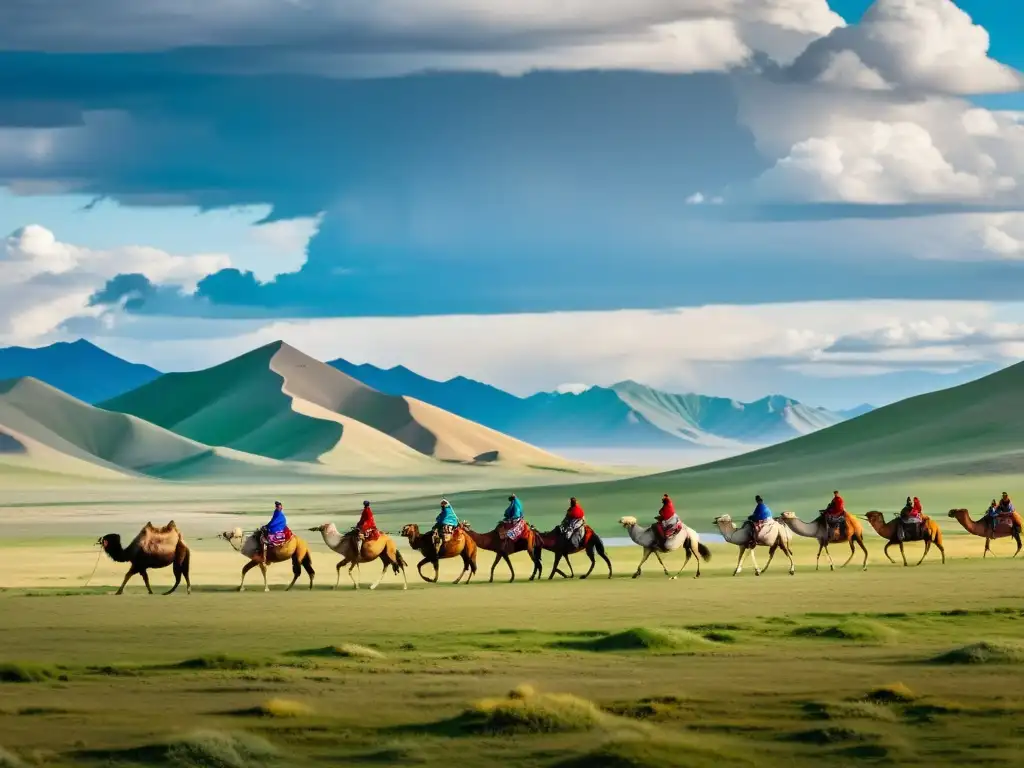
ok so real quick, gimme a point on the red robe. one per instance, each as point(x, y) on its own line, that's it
point(836, 507)
point(916, 510)
point(366, 522)
point(667, 511)
point(574, 512)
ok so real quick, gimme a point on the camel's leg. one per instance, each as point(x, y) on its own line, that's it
point(296, 571)
point(405, 579)
point(1016, 537)
point(554, 567)
point(860, 541)
point(853, 551)
point(381, 577)
point(181, 569)
point(145, 578)
point(787, 550)
point(903, 554)
point(647, 554)
point(818, 556)
point(663, 566)
point(176, 568)
point(466, 567)
point(831, 563)
point(245, 569)
point(739, 561)
point(497, 559)
point(695, 551)
point(131, 572)
point(508, 561)
point(599, 548)
point(341, 562)
point(590, 553)
point(942, 549)
point(771, 555)
point(355, 582)
point(753, 559)
point(419, 568)
point(885, 552)
point(572, 573)
point(538, 566)
point(263, 572)
point(688, 549)
point(307, 563)
point(927, 546)
point(988, 548)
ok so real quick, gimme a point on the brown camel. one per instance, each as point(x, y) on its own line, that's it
point(556, 542)
point(382, 548)
point(931, 534)
point(152, 548)
point(1008, 526)
point(295, 549)
point(495, 541)
point(851, 531)
point(458, 545)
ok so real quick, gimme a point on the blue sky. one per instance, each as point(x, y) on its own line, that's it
point(737, 198)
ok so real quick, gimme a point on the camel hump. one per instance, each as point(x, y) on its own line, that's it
point(169, 528)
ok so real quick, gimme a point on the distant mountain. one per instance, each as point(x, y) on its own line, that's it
point(78, 368)
point(279, 403)
point(627, 414)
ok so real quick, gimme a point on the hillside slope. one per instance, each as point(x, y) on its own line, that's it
point(278, 402)
point(45, 430)
point(78, 368)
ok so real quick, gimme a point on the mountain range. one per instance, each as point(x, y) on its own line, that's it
point(273, 412)
point(625, 415)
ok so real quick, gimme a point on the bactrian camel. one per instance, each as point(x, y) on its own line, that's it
point(382, 548)
point(495, 541)
point(851, 531)
point(152, 548)
point(1009, 527)
point(686, 538)
point(771, 534)
point(930, 532)
point(555, 541)
point(459, 545)
point(295, 549)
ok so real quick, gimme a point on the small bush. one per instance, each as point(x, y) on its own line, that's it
point(984, 652)
point(220, 661)
point(857, 631)
point(343, 651)
point(897, 693)
point(217, 749)
point(9, 760)
point(526, 711)
point(642, 639)
point(20, 672)
point(282, 708)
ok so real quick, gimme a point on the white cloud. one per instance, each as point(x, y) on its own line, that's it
point(277, 247)
point(44, 282)
point(931, 45)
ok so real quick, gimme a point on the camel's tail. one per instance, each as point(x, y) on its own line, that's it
point(704, 551)
point(399, 562)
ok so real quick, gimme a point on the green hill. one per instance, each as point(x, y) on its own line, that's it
point(956, 447)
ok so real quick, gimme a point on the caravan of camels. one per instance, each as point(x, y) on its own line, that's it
point(155, 548)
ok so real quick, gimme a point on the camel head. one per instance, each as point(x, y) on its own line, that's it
point(875, 517)
point(627, 522)
point(787, 515)
point(326, 529)
point(726, 519)
point(232, 535)
point(955, 513)
point(411, 530)
point(109, 542)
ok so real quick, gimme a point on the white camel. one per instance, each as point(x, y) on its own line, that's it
point(686, 537)
point(382, 548)
point(294, 549)
point(818, 530)
point(772, 535)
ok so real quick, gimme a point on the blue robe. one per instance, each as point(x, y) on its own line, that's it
point(761, 512)
point(277, 522)
point(514, 511)
point(447, 517)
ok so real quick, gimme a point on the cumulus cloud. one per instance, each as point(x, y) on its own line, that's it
point(45, 282)
point(930, 333)
point(929, 45)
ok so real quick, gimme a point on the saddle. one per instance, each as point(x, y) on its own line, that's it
point(514, 531)
point(442, 537)
point(272, 540)
point(836, 527)
point(574, 531)
point(756, 527)
point(912, 528)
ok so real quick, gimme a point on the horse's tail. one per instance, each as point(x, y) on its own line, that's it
point(704, 551)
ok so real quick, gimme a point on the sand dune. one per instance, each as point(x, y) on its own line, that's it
point(280, 403)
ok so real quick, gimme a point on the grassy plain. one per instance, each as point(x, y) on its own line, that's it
point(892, 666)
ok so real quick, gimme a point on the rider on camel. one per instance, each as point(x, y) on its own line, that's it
point(573, 521)
point(276, 532)
point(762, 513)
point(835, 512)
point(513, 516)
point(1006, 510)
point(992, 515)
point(911, 514)
point(366, 528)
point(667, 522)
point(444, 525)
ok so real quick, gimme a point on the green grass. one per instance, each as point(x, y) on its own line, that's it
point(650, 639)
point(21, 672)
point(851, 630)
point(985, 652)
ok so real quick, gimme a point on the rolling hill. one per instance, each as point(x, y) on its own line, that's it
point(626, 414)
point(77, 368)
point(45, 430)
point(954, 448)
point(282, 404)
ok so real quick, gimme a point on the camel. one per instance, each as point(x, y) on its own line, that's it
point(686, 538)
point(888, 531)
point(772, 535)
point(152, 548)
point(382, 548)
point(851, 532)
point(981, 528)
point(295, 549)
point(494, 541)
point(556, 542)
point(459, 545)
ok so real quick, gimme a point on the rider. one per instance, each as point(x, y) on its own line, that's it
point(992, 515)
point(911, 514)
point(513, 514)
point(1006, 508)
point(573, 520)
point(275, 532)
point(444, 525)
point(366, 528)
point(667, 521)
point(835, 512)
point(761, 514)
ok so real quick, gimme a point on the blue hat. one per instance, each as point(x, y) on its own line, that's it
point(366, 503)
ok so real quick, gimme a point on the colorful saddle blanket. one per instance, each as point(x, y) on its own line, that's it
point(513, 531)
point(280, 538)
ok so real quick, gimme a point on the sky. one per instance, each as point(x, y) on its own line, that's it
point(735, 197)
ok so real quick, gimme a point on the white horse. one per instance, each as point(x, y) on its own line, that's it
point(772, 534)
point(685, 537)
